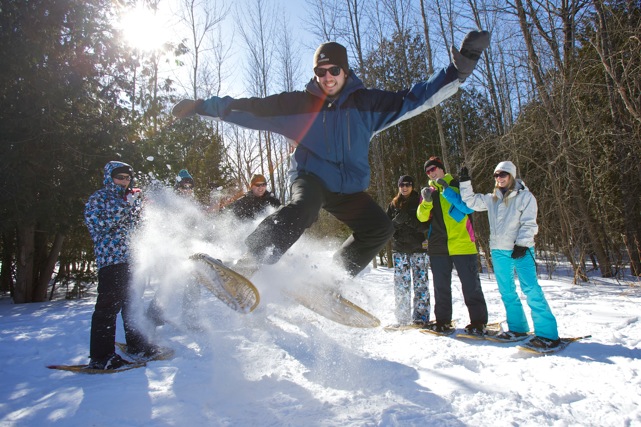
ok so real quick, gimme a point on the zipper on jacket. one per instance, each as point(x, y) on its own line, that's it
point(325, 128)
point(349, 134)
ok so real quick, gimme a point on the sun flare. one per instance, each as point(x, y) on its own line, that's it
point(143, 29)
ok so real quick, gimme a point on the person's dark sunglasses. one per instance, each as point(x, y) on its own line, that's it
point(405, 184)
point(501, 174)
point(123, 177)
point(430, 170)
point(334, 71)
point(262, 184)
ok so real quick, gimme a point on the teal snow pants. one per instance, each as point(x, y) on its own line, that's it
point(542, 317)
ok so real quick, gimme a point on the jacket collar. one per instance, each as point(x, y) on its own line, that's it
point(520, 186)
point(447, 177)
point(352, 84)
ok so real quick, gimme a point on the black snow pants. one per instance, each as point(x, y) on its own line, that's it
point(113, 297)
point(467, 269)
point(370, 225)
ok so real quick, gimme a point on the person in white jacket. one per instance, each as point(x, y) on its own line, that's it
point(512, 210)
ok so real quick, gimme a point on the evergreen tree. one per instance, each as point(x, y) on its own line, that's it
point(60, 121)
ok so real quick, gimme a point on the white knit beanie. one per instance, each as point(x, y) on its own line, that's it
point(506, 166)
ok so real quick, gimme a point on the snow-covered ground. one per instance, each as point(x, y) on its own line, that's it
point(283, 365)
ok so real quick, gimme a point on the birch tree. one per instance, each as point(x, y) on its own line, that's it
point(258, 31)
point(201, 18)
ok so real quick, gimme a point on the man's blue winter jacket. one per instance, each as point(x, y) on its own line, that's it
point(332, 136)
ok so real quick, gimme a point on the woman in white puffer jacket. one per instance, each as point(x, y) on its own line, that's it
point(512, 211)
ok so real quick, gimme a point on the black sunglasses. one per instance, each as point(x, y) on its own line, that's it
point(334, 71)
point(405, 184)
point(501, 174)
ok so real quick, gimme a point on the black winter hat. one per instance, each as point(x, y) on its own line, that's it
point(331, 53)
point(122, 169)
point(406, 178)
point(434, 161)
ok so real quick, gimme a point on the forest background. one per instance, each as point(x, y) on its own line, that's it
point(558, 92)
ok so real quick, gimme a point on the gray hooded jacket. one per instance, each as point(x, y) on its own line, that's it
point(511, 223)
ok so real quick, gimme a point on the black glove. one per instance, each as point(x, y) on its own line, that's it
point(519, 251)
point(464, 175)
point(442, 183)
point(474, 43)
point(401, 218)
point(426, 193)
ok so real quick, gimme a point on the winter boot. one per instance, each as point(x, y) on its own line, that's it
point(113, 361)
point(441, 327)
point(477, 329)
point(421, 323)
point(508, 336)
point(544, 343)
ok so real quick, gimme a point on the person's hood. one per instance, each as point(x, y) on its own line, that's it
point(113, 165)
point(519, 186)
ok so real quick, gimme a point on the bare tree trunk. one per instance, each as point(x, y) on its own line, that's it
point(327, 21)
point(430, 70)
point(557, 114)
point(201, 19)
point(44, 276)
point(24, 263)
point(400, 11)
point(490, 75)
point(6, 269)
point(447, 41)
point(624, 79)
point(354, 11)
point(619, 85)
point(287, 53)
point(256, 33)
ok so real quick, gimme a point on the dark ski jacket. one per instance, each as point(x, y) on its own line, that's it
point(111, 214)
point(409, 232)
point(248, 206)
point(332, 135)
